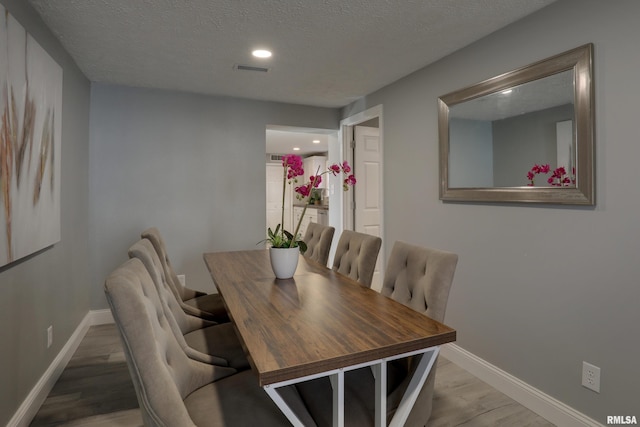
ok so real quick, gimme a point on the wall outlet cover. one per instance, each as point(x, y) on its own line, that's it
point(182, 279)
point(49, 336)
point(591, 377)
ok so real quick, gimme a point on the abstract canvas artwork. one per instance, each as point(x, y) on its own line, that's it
point(30, 143)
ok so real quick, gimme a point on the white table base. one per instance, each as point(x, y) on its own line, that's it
point(379, 368)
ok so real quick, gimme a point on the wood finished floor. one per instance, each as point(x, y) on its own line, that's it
point(95, 390)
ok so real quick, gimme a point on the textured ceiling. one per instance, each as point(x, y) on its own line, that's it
point(551, 91)
point(325, 52)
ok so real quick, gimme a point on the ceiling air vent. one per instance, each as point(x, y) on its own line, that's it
point(250, 68)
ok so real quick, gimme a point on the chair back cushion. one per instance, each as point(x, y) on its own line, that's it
point(154, 236)
point(143, 250)
point(181, 323)
point(420, 278)
point(318, 239)
point(356, 256)
point(162, 373)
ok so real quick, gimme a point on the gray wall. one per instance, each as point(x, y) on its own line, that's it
point(51, 287)
point(191, 165)
point(470, 153)
point(537, 289)
point(520, 142)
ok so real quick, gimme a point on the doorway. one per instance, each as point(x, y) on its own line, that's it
point(318, 146)
point(362, 142)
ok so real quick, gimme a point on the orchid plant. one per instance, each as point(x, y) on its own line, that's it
point(292, 165)
point(558, 178)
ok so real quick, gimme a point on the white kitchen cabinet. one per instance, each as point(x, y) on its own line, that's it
point(323, 217)
point(310, 216)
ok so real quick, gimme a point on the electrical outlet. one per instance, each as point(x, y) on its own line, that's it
point(182, 278)
point(591, 377)
point(49, 336)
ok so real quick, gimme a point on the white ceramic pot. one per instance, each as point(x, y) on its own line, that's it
point(284, 261)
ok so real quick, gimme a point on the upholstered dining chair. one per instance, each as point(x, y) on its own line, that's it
point(318, 239)
point(419, 278)
point(173, 389)
point(196, 303)
point(205, 341)
point(356, 256)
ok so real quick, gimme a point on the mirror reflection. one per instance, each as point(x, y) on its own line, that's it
point(523, 136)
point(495, 140)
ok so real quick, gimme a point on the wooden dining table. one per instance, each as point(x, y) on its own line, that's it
point(321, 323)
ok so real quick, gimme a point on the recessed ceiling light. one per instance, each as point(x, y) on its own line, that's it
point(296, 148)
point(261, 53)
point(316, 141)
point(504, 92)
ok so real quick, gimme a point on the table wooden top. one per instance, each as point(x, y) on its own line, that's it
point(317, 321)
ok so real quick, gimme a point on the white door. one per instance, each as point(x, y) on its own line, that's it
point(367, 165)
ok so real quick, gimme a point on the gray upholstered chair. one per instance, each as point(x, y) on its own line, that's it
point(196, 303)
point(356, 256)
point(206, 341)
point(421, 279)
point(318, 239)
point(174, 390)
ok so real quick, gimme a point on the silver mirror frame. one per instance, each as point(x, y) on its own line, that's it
point(580, 60)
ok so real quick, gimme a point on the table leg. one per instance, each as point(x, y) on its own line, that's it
point(283, 406)
point(337, 383)
point(336, 377)
point(380, 375)
point(415, 386)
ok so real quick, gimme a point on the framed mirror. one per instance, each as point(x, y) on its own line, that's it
point(526, 136)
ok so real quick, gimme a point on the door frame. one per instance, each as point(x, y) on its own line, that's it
point(345, 135)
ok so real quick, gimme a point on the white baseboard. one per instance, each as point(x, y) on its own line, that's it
point(542, 404)
point(29, 407)
point(101, 317)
